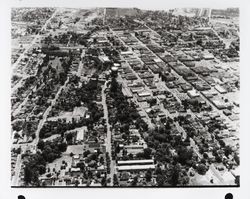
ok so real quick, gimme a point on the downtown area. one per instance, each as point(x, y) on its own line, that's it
point(124, 97)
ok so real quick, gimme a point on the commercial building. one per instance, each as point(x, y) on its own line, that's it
point(220, 89)
point(193, 93)
point(136, 167)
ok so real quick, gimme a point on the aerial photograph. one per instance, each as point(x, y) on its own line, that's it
point(125, 97)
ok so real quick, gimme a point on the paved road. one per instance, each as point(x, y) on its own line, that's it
point(17, 169)
point(216, 173)
point(109, 134)
point(80, 67)
point(46, 113)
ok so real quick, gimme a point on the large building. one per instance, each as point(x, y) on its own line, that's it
point(135, 165)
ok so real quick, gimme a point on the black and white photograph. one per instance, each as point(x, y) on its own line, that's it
point(125, 97)
point(111, 98)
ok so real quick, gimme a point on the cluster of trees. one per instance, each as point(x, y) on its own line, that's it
point(232, 52)
point(36, 164)
point(17, 125)
point(74, 96)
point(125, 112)
point(115, 180)
point(51, 80)
point(60, 127)
point(164, 142)
point(195, 105)
point(87, 94)
point(213, 128)
point(28, 82)
point(146, 154)
point(173, 176)
point(29, 127)
point(108, 161)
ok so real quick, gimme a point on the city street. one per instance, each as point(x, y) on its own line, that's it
point(109, 135)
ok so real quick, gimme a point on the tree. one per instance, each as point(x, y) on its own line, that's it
point(101, 160)
point(222, 143)
point(16, 135)
point(69, 137)
point(228, 151)
point(160, 179)
point(40, 145)
point(104, 182)
point(41, 169)
point(33, 135)
point(28, 174)
point(115, 180)
point(236, 84)
point(237, 159)
point(237, 180)
point(202, 169)
point(135, 181)
point(147, 153)
point(205, 155)
point(80, 165)
point(158, 170)
point(185, 104)
point(130, 156)
point(114, 85)
point(175, 174)
point(62, 146)
point(199, 42)
point(86, 153)
point(184, 155)
point(77, 183)
point(148, 175)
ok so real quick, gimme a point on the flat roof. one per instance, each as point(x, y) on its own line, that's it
point(134, 161)
point(126, 53)
point(80, 134)
point(220, 89)
point(136, 167)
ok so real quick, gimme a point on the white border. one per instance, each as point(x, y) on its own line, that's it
point(205, 193)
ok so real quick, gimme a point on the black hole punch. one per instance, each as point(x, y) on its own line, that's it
point(20, 197)
point(229, 196)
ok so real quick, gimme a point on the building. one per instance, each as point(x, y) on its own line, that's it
point(80, 134)
point(144, 94)
point(134, 149)
point(193, 93)
point(114, 71)
point(104, 59)
point(135, 165)
point(135, 162)
point(220, 89)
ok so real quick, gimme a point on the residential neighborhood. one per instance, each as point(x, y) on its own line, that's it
point(125, 97)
